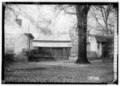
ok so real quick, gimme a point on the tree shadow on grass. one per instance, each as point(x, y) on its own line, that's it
point(28, 69)
point(32, 69)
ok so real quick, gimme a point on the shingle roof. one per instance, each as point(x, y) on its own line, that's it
point(51, 43)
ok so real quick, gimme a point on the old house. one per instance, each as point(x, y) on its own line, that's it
point(53, 49)
point(17, 38)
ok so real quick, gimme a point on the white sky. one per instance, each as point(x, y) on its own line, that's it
point(60, 24)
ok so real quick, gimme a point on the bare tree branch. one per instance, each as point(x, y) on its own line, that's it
point(105, 11)
point(94, 15)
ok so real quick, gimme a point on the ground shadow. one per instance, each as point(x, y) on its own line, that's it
point(32, 69)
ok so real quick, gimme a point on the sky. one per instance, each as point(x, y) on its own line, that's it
point(59, 24)
point(38, 15)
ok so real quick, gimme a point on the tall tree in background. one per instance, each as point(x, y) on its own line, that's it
point(81, 13)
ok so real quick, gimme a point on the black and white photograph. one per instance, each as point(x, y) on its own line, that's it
point(60, 42)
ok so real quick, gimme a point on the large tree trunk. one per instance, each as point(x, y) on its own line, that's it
point(82, 11)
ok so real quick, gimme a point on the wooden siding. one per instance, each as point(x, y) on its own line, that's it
point(52, 53)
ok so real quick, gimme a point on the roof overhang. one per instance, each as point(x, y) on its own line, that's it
point(51, 43)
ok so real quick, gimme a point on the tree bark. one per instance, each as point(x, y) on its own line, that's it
point(82, 11)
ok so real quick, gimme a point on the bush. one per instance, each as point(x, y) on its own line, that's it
point(8, 60)
point(30, 55)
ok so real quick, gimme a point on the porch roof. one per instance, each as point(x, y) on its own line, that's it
point(51, 43)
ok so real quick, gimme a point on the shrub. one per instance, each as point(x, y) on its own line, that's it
point(8, 60)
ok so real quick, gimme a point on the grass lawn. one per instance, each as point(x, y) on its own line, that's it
point(61, 72)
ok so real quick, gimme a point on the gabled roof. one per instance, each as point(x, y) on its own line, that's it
point(104, 38)
point(101, 38)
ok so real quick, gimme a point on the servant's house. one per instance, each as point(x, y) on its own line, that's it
point(63, 49)
point(52, 49)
